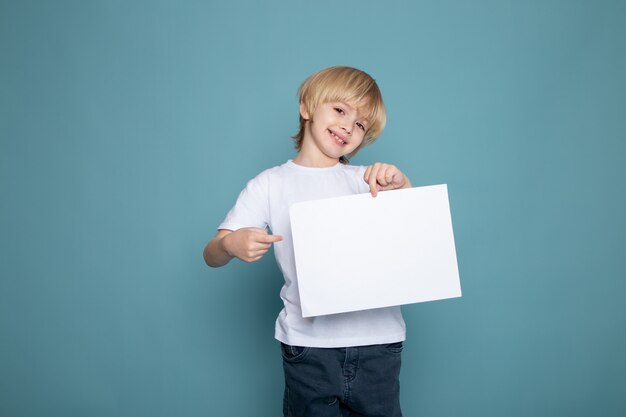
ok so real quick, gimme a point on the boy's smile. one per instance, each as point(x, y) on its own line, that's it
point(334, 130)
point(341, 139)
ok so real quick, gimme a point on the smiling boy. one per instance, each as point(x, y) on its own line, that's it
point(340, 364)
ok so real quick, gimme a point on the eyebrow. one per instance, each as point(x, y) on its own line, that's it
point(342, 103)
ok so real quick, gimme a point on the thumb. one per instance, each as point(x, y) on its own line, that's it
point(274, 238)
point(267, 238)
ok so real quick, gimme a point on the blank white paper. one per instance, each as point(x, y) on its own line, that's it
point(358, 252)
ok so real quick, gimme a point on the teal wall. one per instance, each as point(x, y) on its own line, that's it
point(128, 128)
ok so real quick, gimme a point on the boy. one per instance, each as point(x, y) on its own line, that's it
point(340, 364)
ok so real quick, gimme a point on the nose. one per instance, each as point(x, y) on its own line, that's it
point(347, 130)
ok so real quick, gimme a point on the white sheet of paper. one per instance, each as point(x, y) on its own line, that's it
point(358, 252)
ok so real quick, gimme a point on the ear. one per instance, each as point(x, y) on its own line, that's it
point(303, 111)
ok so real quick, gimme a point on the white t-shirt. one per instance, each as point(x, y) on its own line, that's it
point(265, 203)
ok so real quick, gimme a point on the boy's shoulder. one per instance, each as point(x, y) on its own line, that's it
point(266, 176)
point(268, 172)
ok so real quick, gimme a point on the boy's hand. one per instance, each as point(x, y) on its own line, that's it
point(249, 244)
point(381, 177)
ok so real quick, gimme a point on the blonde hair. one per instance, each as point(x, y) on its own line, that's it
point(343, 84)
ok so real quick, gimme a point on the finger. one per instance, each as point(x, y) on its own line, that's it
point(366, 175)
point(260, 235)
point(371, 171)
point(399, 179)
point(374, 187)
point(265, 244)
point(271, 238)
point(381, 175)
point(386, 174)
point(259, 246)
point(252, 259)
point(253, 255)
point(372, 180)
point(259, 253)
point(394, 178)
point(390, 174)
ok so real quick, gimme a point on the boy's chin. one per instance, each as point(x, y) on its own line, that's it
point(350, 154)
point(344, 152)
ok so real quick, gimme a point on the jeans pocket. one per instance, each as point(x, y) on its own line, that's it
point(293, 353)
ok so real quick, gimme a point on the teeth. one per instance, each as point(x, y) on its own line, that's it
point(343, 142)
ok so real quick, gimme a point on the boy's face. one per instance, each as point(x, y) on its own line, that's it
point(335, 129)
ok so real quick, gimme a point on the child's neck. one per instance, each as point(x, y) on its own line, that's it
point(312, 156)
point(309, 161)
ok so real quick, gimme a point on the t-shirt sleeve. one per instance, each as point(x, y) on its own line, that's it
point(252, 206)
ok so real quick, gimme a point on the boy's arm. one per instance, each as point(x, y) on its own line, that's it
point(248, 244)
point(381, 177)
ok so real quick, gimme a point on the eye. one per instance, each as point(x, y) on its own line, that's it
point(360, 126)
point(339, 110)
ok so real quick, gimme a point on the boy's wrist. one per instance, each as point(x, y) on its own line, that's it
point(224, 244)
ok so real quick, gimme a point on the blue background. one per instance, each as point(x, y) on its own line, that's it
point(128, 129)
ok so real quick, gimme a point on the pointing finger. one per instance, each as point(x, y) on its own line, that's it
point(372, 180)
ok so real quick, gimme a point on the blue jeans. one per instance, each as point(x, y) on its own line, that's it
point(354, 381)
